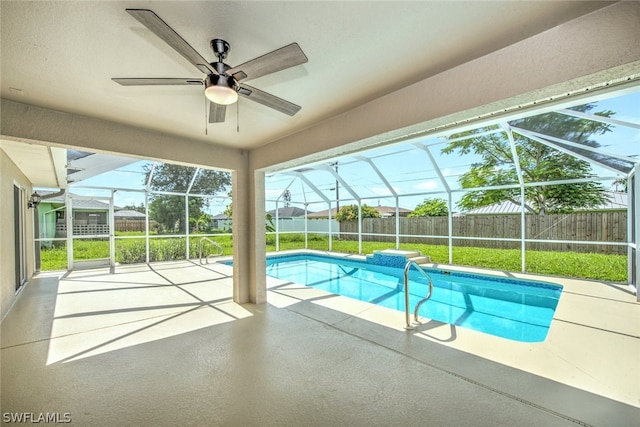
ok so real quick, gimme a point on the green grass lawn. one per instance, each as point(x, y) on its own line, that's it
point(611, 268)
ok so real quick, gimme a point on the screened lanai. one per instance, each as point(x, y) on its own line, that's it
point(124, 210)
point(560, 177)
point(490, 176)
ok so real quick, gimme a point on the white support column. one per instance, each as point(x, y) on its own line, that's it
point(112, 232)
point(249, 255)
point(635, 212)
point(146, 225)
point(359, 227)
point(450, 225)
point(397, 222)
point(330, 227)
point(69, 220)
point(186, 225)
point(277, 229)
point(306, 240)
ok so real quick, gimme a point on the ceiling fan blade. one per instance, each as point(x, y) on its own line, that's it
point(216, 112)
point(279, 59)
point(168, 35)
point(269, 100)
point(158, 82)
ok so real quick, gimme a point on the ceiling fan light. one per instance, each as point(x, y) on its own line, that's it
point(221, 95)
point(220, 90)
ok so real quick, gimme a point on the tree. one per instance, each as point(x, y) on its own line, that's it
point(350, 213)
point(539, 163)
point(202, 223)
point(132, 207)
point(430, 207)
point(169, 210)
point(228, 211)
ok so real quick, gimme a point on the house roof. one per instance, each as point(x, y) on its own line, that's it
point(220, 216)
point(322, 214)
point(288, 212)
point(617, 201)
point(90, 204)
point(77, 203)
point(384, 211)
point(128, 213)
point(391, 210)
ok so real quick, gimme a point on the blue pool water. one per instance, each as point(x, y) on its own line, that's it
point(519, 310)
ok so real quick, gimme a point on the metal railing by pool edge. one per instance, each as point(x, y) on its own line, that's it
point(215, 244)
point(407, 267)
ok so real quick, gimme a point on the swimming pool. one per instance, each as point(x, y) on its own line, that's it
point(515, 309)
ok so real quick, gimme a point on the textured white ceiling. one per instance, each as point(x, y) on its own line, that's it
point(62, 55)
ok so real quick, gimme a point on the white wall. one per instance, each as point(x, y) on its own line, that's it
point(313, 225)
point(10, 175)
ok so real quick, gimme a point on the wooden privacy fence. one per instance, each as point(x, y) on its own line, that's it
point(590, 226)
point(130, 225)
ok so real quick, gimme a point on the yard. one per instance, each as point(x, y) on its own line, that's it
point(606, 267)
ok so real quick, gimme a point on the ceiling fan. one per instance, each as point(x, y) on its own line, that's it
point(223, 83)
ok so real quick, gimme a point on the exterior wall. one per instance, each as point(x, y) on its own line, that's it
point(10, 174)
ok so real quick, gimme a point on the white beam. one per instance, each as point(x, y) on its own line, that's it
point(597, 118)
point(562, 149)
point(337, 176)
point(516, 162)
point(529, 133)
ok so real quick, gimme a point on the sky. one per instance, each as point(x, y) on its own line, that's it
point(408, 169)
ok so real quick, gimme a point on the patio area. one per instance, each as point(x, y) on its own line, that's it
point(164, 343)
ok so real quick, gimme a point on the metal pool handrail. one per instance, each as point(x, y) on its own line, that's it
point(407, 267)
point(215, 244)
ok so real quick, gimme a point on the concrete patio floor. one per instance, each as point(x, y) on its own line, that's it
point(164, 344)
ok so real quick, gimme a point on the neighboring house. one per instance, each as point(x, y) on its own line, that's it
point(127, 220)
point(221, 221)
point(384, 211)
point(288, 212)
point(129, 215)
point(322, 214)
point(390, 211)
point(89, 217)
point(617, 202)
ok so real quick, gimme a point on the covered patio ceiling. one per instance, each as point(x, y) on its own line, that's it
point(63, 55)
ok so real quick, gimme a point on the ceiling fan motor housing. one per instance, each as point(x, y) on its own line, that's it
point(221, 80)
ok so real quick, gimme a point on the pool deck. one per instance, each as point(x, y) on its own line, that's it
point(164, 344)
point(593, 343)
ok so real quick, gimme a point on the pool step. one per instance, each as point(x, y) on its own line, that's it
point(397, 258)
point(420, 260)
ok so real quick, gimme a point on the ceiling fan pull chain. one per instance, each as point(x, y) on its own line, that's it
point(206, 128)
point(238, 116)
